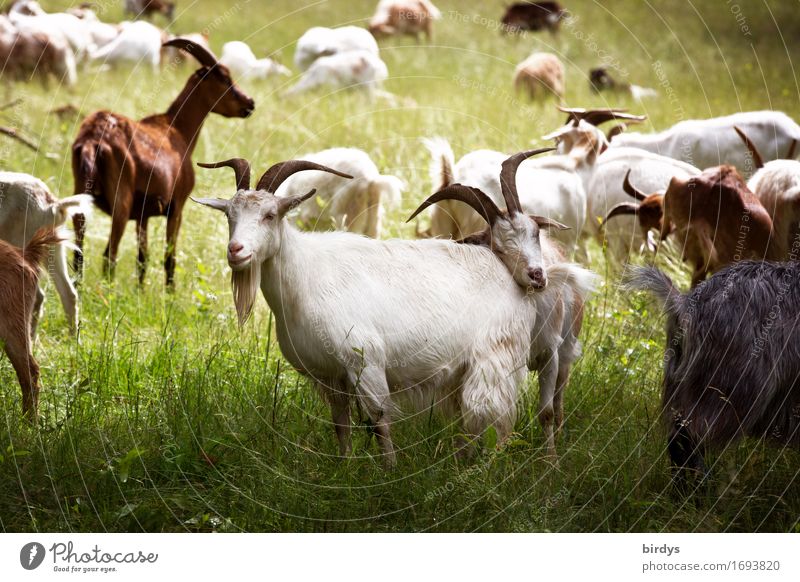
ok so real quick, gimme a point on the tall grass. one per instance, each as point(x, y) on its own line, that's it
point(163, 416)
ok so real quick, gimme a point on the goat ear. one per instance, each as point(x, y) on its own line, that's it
point(215, 203)
point(481, 239)
point(291, 202)
point(545, 222)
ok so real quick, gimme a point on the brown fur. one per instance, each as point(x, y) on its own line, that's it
point(540, 72)
point(717, 219)
point(19, 281)
point(405, 19)
point(24, 54)
point(139, 169)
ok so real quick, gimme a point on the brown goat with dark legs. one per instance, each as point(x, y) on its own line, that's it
point(139, 169)
point(19, 284)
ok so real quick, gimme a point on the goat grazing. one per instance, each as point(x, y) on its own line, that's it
point(19, 284)
point(540, 73)
point(554, 337)
point(601, 80)
point(324, 42)
point(139, 169)
point(352, 69)
point(715, 218)
point(356, 205)
point(137, 42)
point(243, 64)
point(148, 8)
point(533, 16)
point(27, 206)
point(732, 358)
point(411, 17)
point(25, 53)
point(402, 301)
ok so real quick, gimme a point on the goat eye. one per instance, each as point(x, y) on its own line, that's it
point(269, 216)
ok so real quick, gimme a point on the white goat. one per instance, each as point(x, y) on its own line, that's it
point(355, 205)
point(554, 338)
point(239, 58)
point(410, 17)
point(710, 142)
point(548, 187)
point(28, 205)
point(28, 15)
point(369, 319)
point(102, 33)
point(323, 42)
point(353, 69)
point(137, 42)
point(777, 186)
point(25, 53)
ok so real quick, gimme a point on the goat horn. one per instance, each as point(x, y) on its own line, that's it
point(757, 159)
point(239, 165)
point(508, 178)
point(600, 115)
point(204, 56)
point(619, 210)
point(616, 130)
point(790, 153)
point(476, 198)
point(630, 190)
point(277, 174)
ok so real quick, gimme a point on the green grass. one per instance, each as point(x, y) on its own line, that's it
point(165, 417)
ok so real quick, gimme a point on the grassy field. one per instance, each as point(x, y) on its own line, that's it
point(164, 416)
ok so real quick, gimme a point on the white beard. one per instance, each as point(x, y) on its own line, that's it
point(246, 284)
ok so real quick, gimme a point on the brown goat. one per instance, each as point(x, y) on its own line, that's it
point(139, 169)
point(715, 216)
point(24, 54)
point(533, 16)
point(540, 72)
point(19, 284)
point(410, 17)
point(150, 7)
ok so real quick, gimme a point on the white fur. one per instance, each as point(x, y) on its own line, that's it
point(356, 205)
point(549, 187)
point(357, 69)
point(137, 42)
point(320, 42)
point(28, 15)
point(777, 185)
point(710, 142)
point(63, 64)
point(27, 205)
point(239, 58)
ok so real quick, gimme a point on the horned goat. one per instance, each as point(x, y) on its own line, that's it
point(139, 169)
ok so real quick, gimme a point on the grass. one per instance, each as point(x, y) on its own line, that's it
point(165, 417)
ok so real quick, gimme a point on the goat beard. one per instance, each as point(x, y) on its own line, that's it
point(246, 284)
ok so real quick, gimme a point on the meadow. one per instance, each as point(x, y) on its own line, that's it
point(164, 416)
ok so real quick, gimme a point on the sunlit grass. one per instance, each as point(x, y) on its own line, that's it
point(164, 416)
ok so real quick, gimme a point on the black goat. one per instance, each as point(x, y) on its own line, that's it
point(732, 360)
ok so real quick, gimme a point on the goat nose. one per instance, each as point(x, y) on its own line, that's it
point(235, 247)
point(536, 274)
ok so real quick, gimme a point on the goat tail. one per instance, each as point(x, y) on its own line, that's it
point(443, 162)
point(70, 206)
point(37, 248)
point(86, 158)
point(656, 282)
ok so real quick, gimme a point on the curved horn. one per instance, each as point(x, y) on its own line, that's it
point(204, 56)
point(600, 115)
point(619, 210)
point(757, 159)
point(277, 174)
point(508, 178)
point(790, 153)
point(476, 198)
point(630, 190)
point(240, 166)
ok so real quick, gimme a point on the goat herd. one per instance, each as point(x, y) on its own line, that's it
point(490, 290)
